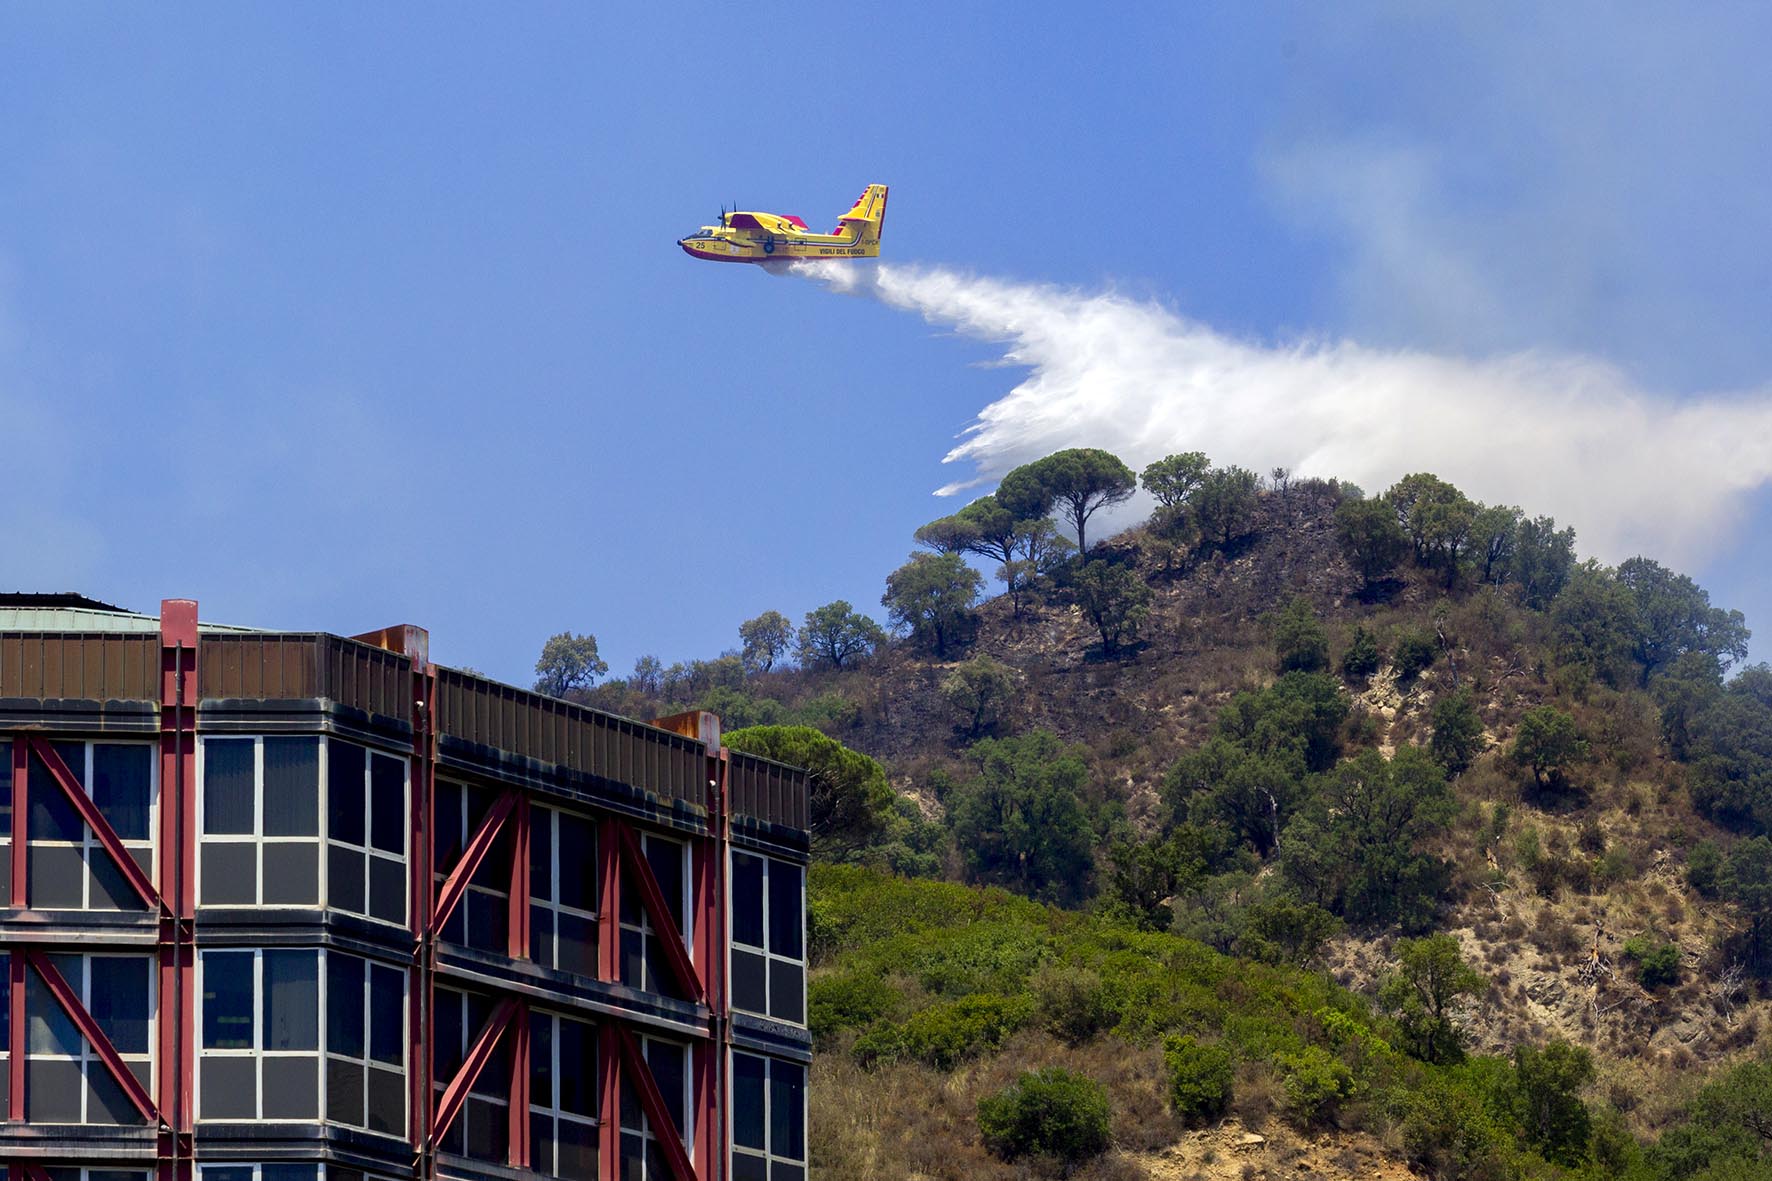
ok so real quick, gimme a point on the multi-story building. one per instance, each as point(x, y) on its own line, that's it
point(293, 907)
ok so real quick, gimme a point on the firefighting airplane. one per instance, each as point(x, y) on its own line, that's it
point(770, 237)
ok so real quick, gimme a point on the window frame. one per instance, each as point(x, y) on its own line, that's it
point(258, 839)
point(645, 1131)
point(368, 849)
point(540, 814)
point(463, 913)
point(89, 841)
point(769, 956)
point(87, 1058)
point(768, 1154)
point(552, 1109)
point(651, 975)
point(320, 1054)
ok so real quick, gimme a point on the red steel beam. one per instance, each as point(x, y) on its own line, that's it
point(608, 1101)
point(101, 828)
point(517, 928)
point(15, 1037)
point(664, 1128)
point(485, 1043)
point(517, 1152)
point(101, 1045)
point(175, 1083)
point(652, 898)
point(33, 1172)
point(456, 884)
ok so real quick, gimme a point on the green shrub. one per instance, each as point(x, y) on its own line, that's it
point(1657, 963)
point(1199, 1078)
point(1071, 1003)
point(1052, 1112)
point(1316, 1082)
point(1362, 657)
point(853, 1000)
point(1702, 865)
point(1413, 654)
point(944, 1035)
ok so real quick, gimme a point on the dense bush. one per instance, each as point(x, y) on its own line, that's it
point(1413, 653)
point(1657, 964)
point(1362, 657)
point(1317, 1084)
point(1199, 1078)
point(1052, 1112)
point(947, 1033)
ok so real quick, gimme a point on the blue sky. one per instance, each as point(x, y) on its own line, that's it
point(333, 317)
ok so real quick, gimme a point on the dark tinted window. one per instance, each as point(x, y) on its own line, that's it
point(787, 1110)
point(122, 787)
point(119, 1000)
point(292, 874)
point(388, 798)
point(578, 1067)
point(748, 1094)
point(230, 873)
point(53, 817)
point(578, 863)
point(747, 899)
point(785, 914)
point(292, 1000)
point(292, 787)
point(344, 1005)
point(227, 786)
point(344, 791)
point(666, 858)
point(387, 989)
point(227, 1000)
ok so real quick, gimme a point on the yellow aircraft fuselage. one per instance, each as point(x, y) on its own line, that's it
point(771, 237)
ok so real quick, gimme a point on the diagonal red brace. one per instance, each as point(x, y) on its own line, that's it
point(485, 1043)
point(101, 828)
point(652, 898)
point(34, 1172)
point(101, 1045)
point(456, 884)
point(664, 1125)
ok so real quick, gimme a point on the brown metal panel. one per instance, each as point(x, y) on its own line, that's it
point(32, 681)
point(9, 666)
point(92, 668)
point(54, 683)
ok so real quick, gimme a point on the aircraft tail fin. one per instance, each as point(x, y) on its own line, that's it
point(867, 216)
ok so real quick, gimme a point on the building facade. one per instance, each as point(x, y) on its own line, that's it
point(301, 907)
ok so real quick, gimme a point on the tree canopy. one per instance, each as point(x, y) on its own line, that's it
point(1078, 481)
point(766, 639)
point(848, 797)
point(836, 635)
point(931, 595)
point(568, 663)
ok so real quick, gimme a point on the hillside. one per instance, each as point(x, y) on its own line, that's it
point(1583, 889)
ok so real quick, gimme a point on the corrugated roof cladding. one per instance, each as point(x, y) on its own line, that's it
point(120, 661)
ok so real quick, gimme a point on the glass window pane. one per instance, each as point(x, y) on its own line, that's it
point(541, 1145)
point(53, 817)
point(750, 982)
point(787, 1109)
point(541, 853)
point(229, 1087)
point(227, 1000)
point(5, 790)
point(387, 1030)
point(119, 1000)
point(344, 1005)
point(578, 1067)
point(541, 1060)
point(749, 1168)
point(292, 1088)
point(387, 1101)
point(488, 1130)
point(747, 899)
point(344, 791)
point(577, 945)
point(669, 1062)
point(785, 912)
point(122, 786)
point(578, 862)
point(58, 874)
point(227, 786)
point(288, 1172)
point(344, 879)
point(447, 839)
point(230, 873)
point(387, 830)
point(226, 1172)
point(748, 1083)
point(489, 920)
point(541, 935)
point(53, 1091)
point(292, 787)
point(387, 890)
point(577, 1155)
point(666, 859)
point(292, 873)
point(345, 1086)
point(108, 889)
point(48, 1028)
point(787, 988)
point(782, 1171)
point(292, 1000)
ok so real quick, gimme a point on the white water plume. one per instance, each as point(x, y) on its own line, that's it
point(1571, 436)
